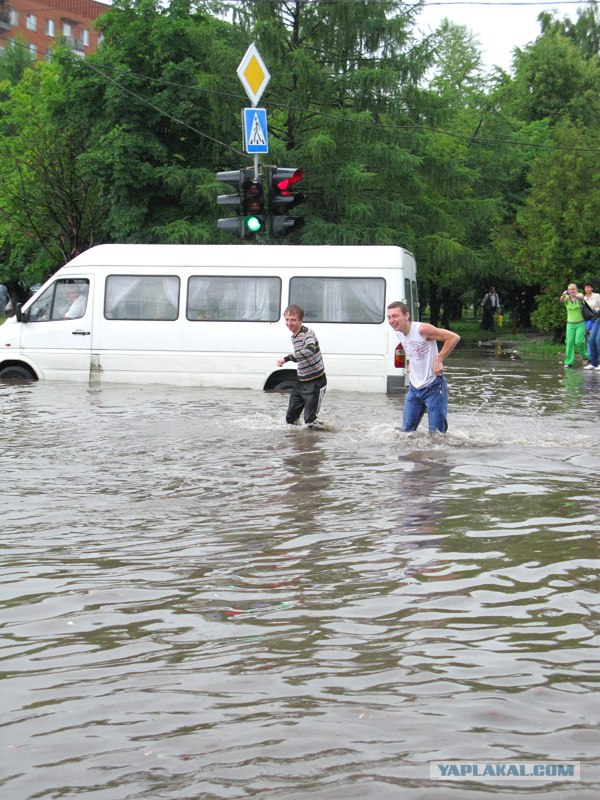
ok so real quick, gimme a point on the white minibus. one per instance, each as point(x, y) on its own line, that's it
point(212, 315)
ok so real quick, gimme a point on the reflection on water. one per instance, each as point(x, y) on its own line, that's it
point(200, 603)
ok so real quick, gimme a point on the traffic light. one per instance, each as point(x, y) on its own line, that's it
point(247, 201)
point(283, 198)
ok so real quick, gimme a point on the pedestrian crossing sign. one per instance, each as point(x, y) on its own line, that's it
point(254, 123)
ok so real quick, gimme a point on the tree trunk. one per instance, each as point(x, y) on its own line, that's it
point(434, 305)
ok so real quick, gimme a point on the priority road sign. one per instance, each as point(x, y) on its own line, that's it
point(253, 74)
point(254, 123)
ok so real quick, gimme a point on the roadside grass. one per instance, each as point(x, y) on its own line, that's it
point(530, 343)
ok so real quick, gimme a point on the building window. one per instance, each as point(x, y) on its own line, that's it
point(49, 27)
point(67, 29)
point(33, 50)
point(85, 37)
point(14, 18)
point(31, 22)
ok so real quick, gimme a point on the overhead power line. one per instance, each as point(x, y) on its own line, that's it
point(103, 73)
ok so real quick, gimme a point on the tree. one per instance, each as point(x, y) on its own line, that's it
point(465, 179)
point(559, 240)
point(15, 60)
point(584, 31)
point(554, 80)
point(49, 203)
point(161, 87)
point(343, 90)
point(553, 238)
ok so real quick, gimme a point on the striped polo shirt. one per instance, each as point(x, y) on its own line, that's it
point(307, 354)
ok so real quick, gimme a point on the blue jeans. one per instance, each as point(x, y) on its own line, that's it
point(594, 343)
point(433, 399)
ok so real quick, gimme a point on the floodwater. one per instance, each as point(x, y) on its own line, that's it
point(198, 602)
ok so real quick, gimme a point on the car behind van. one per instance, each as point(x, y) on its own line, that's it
point(212, 315)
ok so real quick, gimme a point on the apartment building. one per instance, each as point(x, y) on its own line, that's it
point(41, 23)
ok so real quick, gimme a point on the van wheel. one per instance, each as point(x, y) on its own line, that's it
point(284, 386)
point(15, 372)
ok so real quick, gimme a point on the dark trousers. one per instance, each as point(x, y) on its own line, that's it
point(487, 318)
point(306, 395)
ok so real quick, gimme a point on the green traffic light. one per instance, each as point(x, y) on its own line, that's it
point(253, 224)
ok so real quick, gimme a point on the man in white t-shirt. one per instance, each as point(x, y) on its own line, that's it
point(428, 390)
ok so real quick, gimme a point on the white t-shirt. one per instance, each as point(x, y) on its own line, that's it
point(421, 355)
point(77, 308)
point(593, 301)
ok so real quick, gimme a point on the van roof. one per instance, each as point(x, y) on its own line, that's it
point(182, 255)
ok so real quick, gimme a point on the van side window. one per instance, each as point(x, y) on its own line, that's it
point(63, 299)
point(142, 297)
point(234, 298)
point(355, 300)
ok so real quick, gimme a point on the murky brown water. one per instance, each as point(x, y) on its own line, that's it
point(199, 603)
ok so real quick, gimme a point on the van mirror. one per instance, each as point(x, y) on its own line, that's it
point(21, 317)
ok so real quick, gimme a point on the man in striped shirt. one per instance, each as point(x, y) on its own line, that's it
point(310, 387)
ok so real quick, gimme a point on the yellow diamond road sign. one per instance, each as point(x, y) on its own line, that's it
point(253, 74)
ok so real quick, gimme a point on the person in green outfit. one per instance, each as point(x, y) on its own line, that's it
point(575, 338)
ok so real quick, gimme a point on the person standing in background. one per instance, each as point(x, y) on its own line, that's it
point(592, 298)
point(490, 305)
point(575, 336)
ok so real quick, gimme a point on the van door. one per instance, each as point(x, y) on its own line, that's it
point(57, 327)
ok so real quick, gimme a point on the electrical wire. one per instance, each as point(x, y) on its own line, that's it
point(103, 72)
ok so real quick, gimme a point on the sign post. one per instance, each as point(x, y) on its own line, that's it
point(254, 77)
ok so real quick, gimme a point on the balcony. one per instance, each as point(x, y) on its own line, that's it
point(74, 43)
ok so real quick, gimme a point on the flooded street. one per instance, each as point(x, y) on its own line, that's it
point(200, 603)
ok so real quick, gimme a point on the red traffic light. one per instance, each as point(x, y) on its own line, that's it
point(284, 179)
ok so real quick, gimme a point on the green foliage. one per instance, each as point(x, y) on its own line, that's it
point(555, 81)
point(49, 207)
point(15, 60)
point(404, 140)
